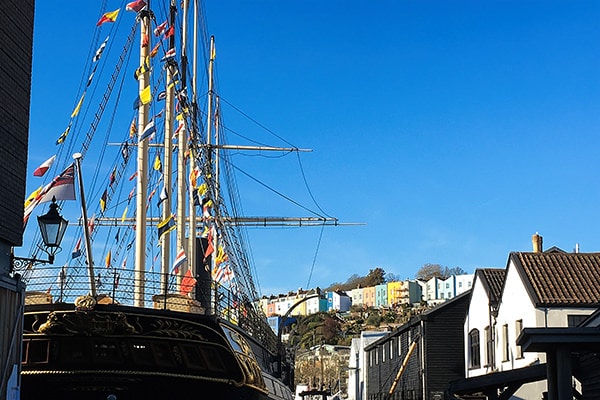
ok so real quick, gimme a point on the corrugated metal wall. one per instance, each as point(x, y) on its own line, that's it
point(11, 328)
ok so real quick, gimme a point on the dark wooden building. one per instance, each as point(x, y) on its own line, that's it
point(419, 359)
point(16, 41)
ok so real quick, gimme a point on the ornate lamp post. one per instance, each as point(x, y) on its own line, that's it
point(52, 227)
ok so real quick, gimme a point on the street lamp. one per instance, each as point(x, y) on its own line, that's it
point(52, 227)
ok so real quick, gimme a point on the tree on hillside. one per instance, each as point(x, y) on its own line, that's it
point(376, 276)
point(428, 271)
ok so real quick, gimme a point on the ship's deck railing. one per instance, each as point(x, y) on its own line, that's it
point(52, 284)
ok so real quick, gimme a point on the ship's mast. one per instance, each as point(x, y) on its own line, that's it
point(209, 127)
point(181, 149)
point(142, 168)
point(192, 207)
point(168, 155)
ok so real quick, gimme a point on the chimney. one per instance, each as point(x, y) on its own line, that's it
point(536, 239)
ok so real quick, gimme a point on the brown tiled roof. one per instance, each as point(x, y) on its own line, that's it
point(493, 279)
point(561, 279)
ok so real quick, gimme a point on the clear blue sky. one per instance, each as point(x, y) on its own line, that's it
point(450, 130)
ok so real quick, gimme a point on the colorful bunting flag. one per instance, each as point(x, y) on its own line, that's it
point(135, 6)
point(210, 247)
point(113, 177)
point(145, 67)
point(78, 107)
point(157, 163)
point(154, 51)
point(108, 17)
point(62, 187)
point(91, 224)
point(108, 259)
point(163, 196)
point(160, 29)
point(179, 261)
point(77, 250)
point(166, 226)
point(63, 136)
point(149, 129)
point(41, 170)
point(146, 95)
point(187, 283)
point(100, 50)
point(169, 55)
point(170, 32)
point(103, 200)
point(133, 128)
point(33, 196)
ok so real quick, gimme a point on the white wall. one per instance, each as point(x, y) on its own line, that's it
point(478, 317)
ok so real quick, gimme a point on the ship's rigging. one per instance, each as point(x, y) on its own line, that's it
point(206, 155)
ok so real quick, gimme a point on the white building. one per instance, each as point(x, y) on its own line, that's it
point(552, 289)
point(358, 364)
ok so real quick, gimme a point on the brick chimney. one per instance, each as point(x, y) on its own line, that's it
point(536, 240)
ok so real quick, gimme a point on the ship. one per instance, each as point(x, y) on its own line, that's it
point(171, 309)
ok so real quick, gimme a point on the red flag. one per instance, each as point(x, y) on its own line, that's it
point(135, 6)
point(170, 32)
point(210, 247)
point(41, 170)
point(91, 224)
point(160, 29)
point(187, 283)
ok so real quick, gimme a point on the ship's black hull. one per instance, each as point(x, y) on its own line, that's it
point(116, 352)
point(122, 386)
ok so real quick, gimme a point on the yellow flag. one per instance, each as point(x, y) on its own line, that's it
point(32, 196)
point(157, 163)
point(124, 215)
point(78, 107)
point(108, 260)
point(146, 95)
point(202, 189)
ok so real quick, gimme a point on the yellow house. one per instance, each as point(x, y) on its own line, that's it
point(397, 293)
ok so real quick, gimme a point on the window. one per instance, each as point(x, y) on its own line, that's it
point(489, 347)
point(392, 348)
point(506, 349)
point(575, 320)
point(460, 284)
point(474, 359)
point(518, 329)
point(447, 285)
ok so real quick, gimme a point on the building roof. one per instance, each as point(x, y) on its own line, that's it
point(560, 279)
point(417, 320)
point(492, 280)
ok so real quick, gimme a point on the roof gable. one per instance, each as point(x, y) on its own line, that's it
point(492, 280)
point(560, 279)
